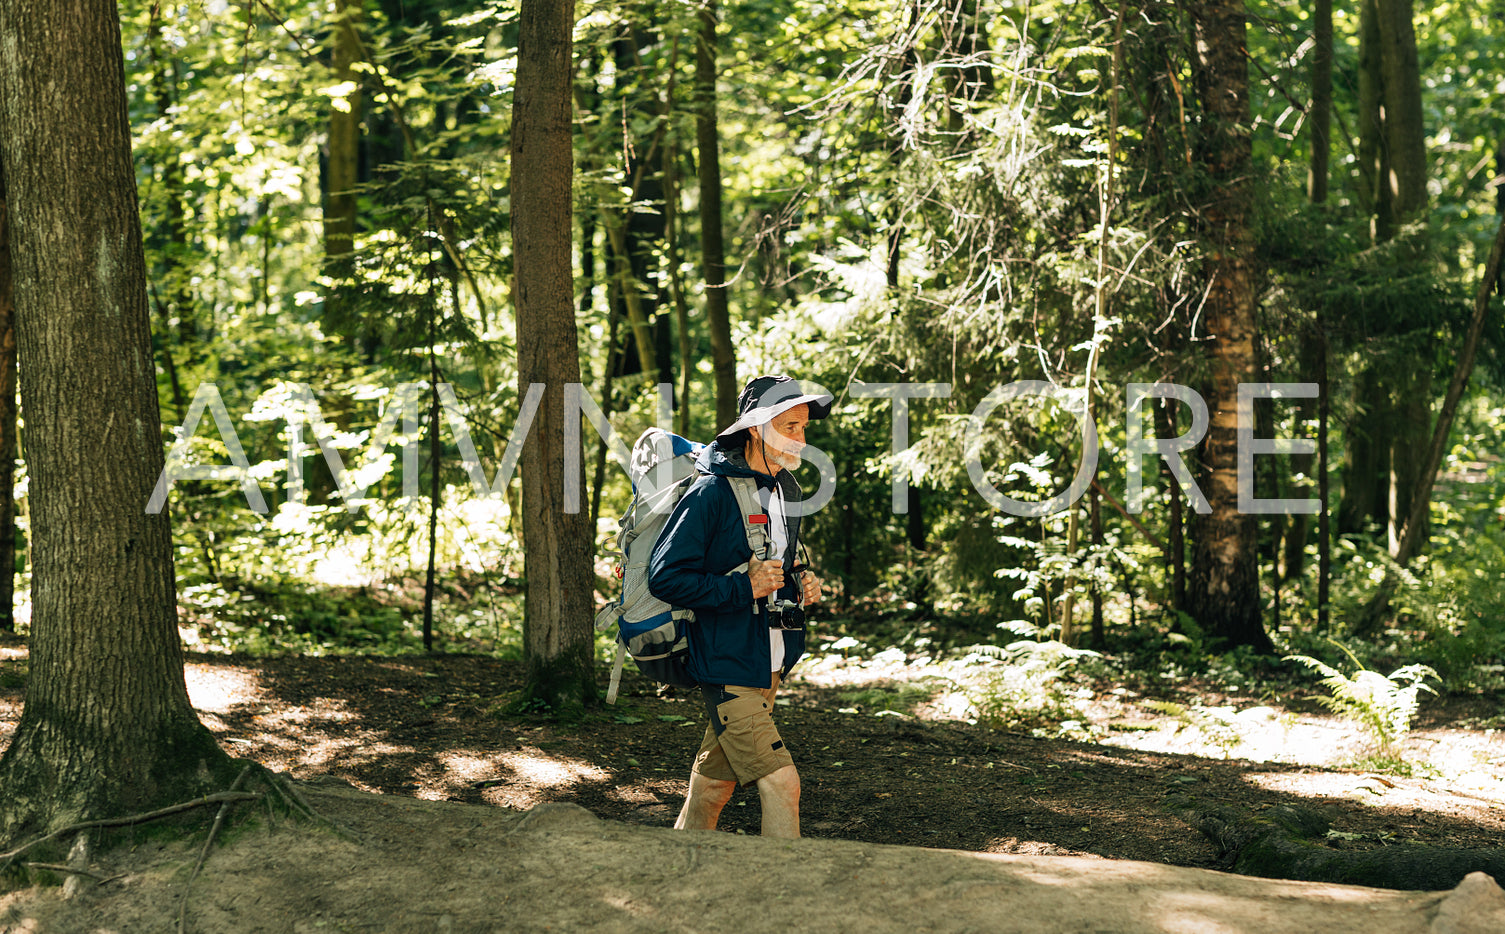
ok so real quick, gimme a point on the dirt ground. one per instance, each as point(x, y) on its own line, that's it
point(404, 866)
point(433, 728)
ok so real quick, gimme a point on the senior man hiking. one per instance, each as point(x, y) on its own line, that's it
point(749, 619)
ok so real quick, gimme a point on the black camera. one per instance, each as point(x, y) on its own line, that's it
point(786, 614)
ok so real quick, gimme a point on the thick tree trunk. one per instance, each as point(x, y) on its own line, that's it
point(7, 424)
point(712, 250)
point(1413, 428)
point(1224, 591)
point(107, 726)
point(558, 640)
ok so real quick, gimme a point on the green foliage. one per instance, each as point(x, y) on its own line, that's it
point(1025, 686)
point(1382, 704)
point(1219, 725)
point(900, 698)
point(909, 196)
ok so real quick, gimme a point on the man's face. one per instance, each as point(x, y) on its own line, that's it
point(782, 439)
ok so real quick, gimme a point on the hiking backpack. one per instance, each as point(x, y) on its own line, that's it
point(662, 468)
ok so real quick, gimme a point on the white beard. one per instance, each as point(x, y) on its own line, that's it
point(784, 459)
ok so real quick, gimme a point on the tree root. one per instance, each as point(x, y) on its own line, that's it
point(298, 804)
point(1285, 843)
point(219, 819)
point(70, 870)
point(9, 857)
point(279, 785)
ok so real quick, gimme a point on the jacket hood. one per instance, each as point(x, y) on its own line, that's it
point(724, 461)
point(730, 461)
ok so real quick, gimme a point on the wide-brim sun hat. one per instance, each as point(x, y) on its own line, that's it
point(766, 397)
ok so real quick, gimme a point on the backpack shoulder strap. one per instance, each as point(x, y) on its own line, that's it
point(748, 505)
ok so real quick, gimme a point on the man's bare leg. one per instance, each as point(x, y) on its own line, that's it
point(703, 804)
point(780, 794)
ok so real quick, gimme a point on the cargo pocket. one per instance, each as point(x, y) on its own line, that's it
point(740, 707)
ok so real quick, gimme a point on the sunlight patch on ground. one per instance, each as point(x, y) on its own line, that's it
point(1379, 790)
point(833, 670)
point(328, 755)
point(1472, 762)
point(634, 795)
point(467, 767)
point(1258, 734)
point(546, 770)
point(330, 710)
point(538, 768)
point(505, 773)
point(218, 689)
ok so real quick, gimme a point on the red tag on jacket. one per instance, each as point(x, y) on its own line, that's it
point(758, 520)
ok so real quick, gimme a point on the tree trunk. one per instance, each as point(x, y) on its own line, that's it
point(107, 727)
point(1296, 530)
point(676, 285)
point(1175, 542)
point(1366, 459)
point(1320, 116)
point(1413, 428)
point(1099, 634)
point(1374, 160)
point(342, 160)
point(642, 224)
point(1324, 518)
point(7, 424)
point(1405, 132)
point(1224, 591)
point(712, 251)
point(558, 640)
point(1412, 535)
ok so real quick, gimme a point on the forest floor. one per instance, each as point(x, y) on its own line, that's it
point(435, 728)
point(1060, 831)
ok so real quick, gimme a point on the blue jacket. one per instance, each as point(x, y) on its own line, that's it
point(704, 539)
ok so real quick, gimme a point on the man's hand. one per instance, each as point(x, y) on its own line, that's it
point(810, 588)
point(765, 576)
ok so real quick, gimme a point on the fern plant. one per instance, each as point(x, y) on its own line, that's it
point(1382, 704)
point(1022, 685)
